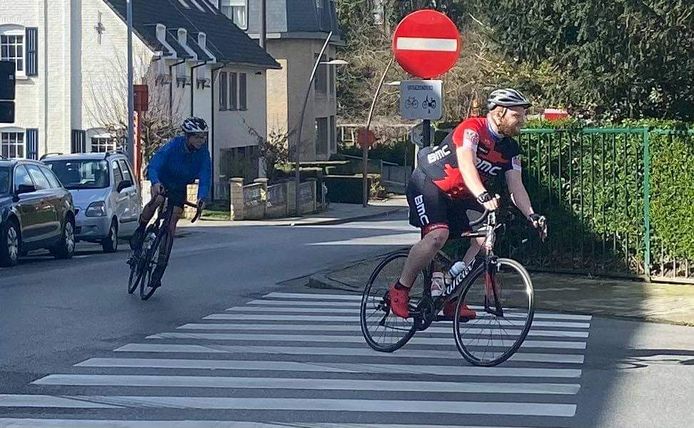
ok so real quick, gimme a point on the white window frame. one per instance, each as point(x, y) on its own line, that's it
point(235, 90)
point(103, 141)
point(5, 141)
point(15, 31)
point(228, 7)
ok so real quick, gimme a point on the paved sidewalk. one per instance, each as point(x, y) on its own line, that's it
point(336, 213)
point(669, 303)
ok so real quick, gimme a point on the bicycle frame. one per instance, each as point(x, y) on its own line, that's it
point(428, 307)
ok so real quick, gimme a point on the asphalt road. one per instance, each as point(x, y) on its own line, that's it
point(231, 340)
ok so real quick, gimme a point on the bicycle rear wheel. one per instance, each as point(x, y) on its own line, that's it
point(503, 301)
point(383, 330)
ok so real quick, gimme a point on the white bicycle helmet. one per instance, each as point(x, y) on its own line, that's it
point(194, 125)
point(507, 98)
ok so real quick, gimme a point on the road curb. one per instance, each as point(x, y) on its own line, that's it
point(326, 280)
point(351, 219)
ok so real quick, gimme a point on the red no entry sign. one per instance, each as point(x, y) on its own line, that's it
point(426, 43)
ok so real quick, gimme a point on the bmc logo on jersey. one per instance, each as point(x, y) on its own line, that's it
point(438, 154)
point(421, 211)
point(486, 166)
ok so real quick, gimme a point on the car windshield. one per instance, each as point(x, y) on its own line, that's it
point(81, 174)
point(4, 180)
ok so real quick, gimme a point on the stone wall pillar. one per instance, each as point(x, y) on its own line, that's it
point(191, 196)
point(291, 198)
point(236, 198)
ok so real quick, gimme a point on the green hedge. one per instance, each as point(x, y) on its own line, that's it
point(346, 188)
point(589, 182)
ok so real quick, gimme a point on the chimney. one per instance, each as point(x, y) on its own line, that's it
point(202, 40)
point(182, 36)
point(161, 32)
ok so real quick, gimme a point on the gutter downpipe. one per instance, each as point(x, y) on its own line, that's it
point(192, 87)
point(171, 84)
point(214, 129)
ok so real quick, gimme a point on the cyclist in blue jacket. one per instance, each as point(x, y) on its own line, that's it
point(174, 166)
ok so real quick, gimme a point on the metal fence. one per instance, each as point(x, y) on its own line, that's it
point(597, 188)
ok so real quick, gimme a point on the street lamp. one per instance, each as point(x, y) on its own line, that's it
point(365, 147)
point(297, 176)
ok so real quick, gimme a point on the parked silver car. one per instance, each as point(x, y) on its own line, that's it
point(107, 199)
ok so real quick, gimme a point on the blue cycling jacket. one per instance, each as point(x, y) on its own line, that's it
point(174, 166)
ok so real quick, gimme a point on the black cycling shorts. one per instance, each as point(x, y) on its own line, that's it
point(177, 196)
point(430, 208)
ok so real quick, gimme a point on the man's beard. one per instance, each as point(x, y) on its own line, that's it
point(508, 130)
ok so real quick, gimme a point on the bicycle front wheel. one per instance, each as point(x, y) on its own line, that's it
point(150, 262)
point(502, 299)
point(383, 330)
point(135, 276)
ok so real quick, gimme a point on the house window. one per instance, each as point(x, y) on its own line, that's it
point(103, 144)
point(322, 136)
point(331, 78)
point(233, 91)
point(242, 92)
point(321, 80)
point(12, 144)
point(12, 49)
point(223, 91)
point(236, 11)
point(333, 135)
point(238, 90)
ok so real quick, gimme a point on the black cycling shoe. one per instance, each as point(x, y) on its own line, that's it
point(138, 237)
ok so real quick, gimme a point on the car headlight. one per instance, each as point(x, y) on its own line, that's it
point(96, 209)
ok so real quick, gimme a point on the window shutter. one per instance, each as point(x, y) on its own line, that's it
point(79, 144)
point(32, 143)
point(32, 51)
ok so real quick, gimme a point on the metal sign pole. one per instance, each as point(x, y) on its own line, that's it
point(130, 146)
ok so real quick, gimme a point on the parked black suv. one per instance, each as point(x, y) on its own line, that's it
point(35, 211)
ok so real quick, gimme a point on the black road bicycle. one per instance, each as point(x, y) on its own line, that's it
point(499, 290)
point(144, 262)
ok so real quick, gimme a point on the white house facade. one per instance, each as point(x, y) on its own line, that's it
point(71, 73)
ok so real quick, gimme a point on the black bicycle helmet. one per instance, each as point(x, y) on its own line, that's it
point(194, 125)
point(507, 98)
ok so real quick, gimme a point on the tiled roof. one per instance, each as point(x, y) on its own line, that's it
point(225, 40)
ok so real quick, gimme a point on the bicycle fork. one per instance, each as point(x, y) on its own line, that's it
point(492, 291)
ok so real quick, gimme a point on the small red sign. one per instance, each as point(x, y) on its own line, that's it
point(426, 43)
point(364, 138)
point(141, 93)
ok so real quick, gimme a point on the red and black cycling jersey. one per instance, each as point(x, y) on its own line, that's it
point(494, 156)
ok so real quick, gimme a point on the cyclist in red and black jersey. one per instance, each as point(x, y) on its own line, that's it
point(451, 180)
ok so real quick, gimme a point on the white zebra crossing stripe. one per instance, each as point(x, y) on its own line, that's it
point(312, 296)
point(356, 329)
point(313, 384)
point(48, 401)
point(445, 370)
point(355, 311)
point(417, 340)
point(101, 423)
point(348, 352)
point(339, 405)
point(355, 318)
point(348, 304)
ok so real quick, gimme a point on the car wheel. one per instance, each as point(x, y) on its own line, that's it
point(10, 243)
point(66, 247)
point(110, 243)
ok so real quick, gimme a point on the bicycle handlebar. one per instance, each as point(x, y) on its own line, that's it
point(198, 210)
